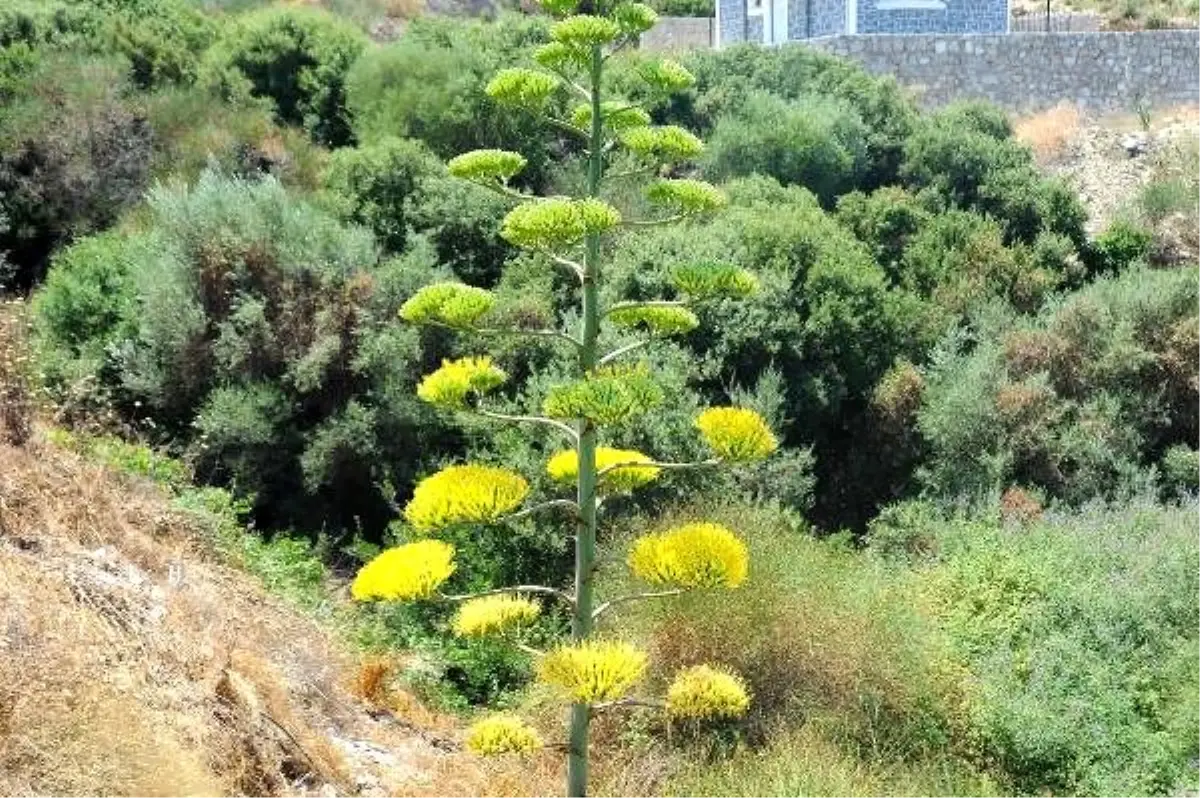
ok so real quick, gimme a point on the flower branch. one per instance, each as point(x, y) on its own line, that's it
point(549, 422)
point(596, 613)
point(542, 589)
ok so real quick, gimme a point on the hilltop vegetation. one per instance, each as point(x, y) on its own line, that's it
point(974, 566)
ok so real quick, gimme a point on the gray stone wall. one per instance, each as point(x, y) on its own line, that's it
point(955, 16)
point(828, 16)
point(732, 20)
point(1029, 71)
point(678, 33)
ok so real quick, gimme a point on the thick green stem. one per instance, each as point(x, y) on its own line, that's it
point(585, 540)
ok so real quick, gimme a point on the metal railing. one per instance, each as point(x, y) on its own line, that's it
point(1055, 22)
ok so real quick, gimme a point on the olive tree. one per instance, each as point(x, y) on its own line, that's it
point(593, 671)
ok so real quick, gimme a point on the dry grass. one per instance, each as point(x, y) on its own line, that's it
point(1048, 132)
point(133, 663)
point(16, 400)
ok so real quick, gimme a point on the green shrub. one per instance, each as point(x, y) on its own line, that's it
point(965, 155)
point(885, 220)
point(1122, 244)
point(959, 260)
point(1077, 402)
point(1180, 471)
point(684, 8)
point(429, 86)
point(162, 39)
point(299, 59)
point(825, 639)
point(194, 131)
point(725, 78)
point(1081, 639)
point(826, 318)
point(73, 155)
point(812, 141)
point(375, 185)
point(397, 187)
point(260, 340)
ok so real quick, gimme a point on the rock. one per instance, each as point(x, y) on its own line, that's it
point(1135, 144)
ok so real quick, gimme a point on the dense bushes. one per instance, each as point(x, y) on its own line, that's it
point(429, 86)
point(811, 141)
point(966, 155)
point(1080, 636)
point(298, 58)
point(1077, 403)
point(73, 155)
point(255, 332)
point(725, 78)
point(162, 39)
point(397, 187)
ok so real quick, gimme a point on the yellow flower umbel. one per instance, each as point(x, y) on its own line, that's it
point(465, 494)
point(564, 467)
point(693, 555)
point(450, 385)
point(490, 614)
point(736, 434)
point(502, 734)
point(592, 671)
point(412, 571)
point(707, 692)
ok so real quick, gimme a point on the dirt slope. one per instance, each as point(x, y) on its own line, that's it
point(133, 662)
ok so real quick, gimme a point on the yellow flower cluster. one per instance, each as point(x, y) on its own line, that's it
point(660, 319)
point(592, 671)
point(450, 385)
point(525, 88)
point(693, 555)
point(686, 196)
point(617, 116)
point(455, 304)
point(583, 30)
point(667, 76)
point(502, 734)
point(736, 434)
point(487, 165)
point(609, 395)
point(465, 494)
point(564, 467)
point(412, 571)
point(713, 280)
point(707, 692)
point(667, 143)
point(490, 614)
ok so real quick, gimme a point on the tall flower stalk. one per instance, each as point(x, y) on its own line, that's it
point(591, 673)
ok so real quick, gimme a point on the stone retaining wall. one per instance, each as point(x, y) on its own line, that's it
point(679, 33)
point(1029, 71)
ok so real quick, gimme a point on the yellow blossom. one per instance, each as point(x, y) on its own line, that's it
point(592, 671)
point(502, 734)
point(465, 494)
point(490, 614)
point(453, 304)
point(412, 571)
point(736, 434)
point(450, 385)
point(564, 467)
point(693, 555)
point(707, 692)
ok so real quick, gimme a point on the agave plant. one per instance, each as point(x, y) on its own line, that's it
point(590, 672)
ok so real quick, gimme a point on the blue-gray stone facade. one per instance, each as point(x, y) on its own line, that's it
point(813, 19)
point(956, 16)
